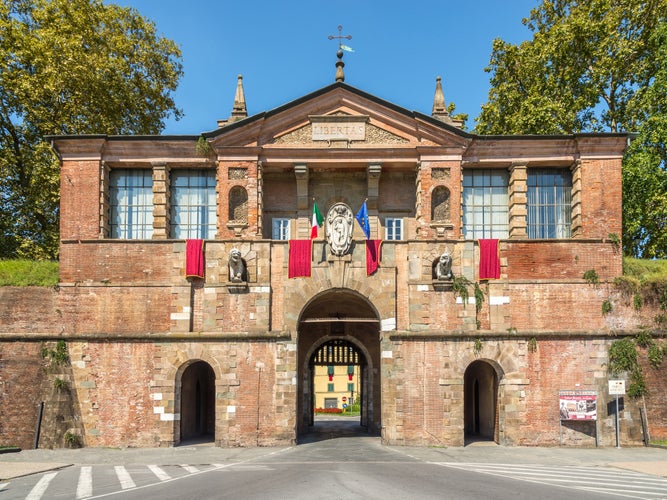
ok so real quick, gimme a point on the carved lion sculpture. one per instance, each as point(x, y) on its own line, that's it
point(443, 269)
point(236, 266)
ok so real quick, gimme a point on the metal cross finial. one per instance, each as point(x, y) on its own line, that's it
point(340, 37)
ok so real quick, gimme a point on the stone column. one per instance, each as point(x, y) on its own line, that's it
point(518, 199)
point(160, 201)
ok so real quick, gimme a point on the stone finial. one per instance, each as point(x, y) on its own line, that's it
point(439, 107)
point(340, 75)
point(239, 110)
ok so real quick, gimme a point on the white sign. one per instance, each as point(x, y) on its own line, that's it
point(616, 387)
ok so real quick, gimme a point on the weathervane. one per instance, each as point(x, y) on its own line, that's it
point(340, 38)
point(340, 76)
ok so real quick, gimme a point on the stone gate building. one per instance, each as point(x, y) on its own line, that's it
point(193, 300)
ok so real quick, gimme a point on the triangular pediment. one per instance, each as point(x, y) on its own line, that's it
point(339, 116)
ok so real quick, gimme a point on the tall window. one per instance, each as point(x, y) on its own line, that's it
point(193, 204)
point(131, 203)
point(280, 228)
point(549, 209)
point(393, 228)
point(485, 203)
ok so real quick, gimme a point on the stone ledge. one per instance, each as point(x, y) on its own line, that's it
point(148, 337)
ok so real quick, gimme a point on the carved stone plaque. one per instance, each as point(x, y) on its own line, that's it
point(339, 127)
point(339, 229)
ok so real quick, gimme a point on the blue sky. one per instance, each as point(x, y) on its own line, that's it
point(283, 52)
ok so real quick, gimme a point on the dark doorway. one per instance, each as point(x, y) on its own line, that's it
point(198, 403)
point(480, 402)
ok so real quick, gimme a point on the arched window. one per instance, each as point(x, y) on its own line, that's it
point(440, 204)
point(238, 204)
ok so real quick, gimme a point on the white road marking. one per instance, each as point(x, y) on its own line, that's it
point(39, 489)
point(190, 468)
point(161, 475)
point(124, 477)
point(84, 488)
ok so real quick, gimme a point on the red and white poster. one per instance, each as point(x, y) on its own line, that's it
point(578, 405)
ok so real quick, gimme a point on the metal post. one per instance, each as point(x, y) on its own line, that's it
point(39, 424)
point(618, 428)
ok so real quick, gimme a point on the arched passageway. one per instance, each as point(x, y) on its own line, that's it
point(197, 403)
point(480, 402)
point(339, 333)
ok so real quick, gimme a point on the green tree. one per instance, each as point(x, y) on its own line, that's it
point(70, 67)
point(593, 66)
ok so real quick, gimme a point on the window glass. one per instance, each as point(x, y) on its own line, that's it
point(485, 203)
point(131, 203)
point(393, 228)
point(280, 228)
point(549, 203)
point(193, 204)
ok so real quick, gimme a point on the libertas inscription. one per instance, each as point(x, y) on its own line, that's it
point(339, 127)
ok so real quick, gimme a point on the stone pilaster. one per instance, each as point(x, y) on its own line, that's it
point(577, 225)
point(302, 202)
point(160, 201)
point(518, 190)
point(104, 201)
point(373, 172)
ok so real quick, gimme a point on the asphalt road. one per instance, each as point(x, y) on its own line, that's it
point(350, 467)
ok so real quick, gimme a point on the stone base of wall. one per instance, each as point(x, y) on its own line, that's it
point(129, 394)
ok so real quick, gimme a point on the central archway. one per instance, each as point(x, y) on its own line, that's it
point(341, 328)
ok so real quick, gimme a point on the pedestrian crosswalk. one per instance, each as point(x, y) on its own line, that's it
point(89, 482)
point(604, 480)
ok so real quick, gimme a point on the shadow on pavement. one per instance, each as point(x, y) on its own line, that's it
point(330, 427)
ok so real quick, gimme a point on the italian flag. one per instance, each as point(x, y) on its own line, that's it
point(317, 221)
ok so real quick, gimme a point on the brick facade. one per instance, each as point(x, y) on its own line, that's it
point(140, 336)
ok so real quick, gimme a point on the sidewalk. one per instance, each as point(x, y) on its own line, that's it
point(645, 460)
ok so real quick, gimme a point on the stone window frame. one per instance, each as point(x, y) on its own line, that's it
point(567, 201)
point(107, 204)
point(194, 172)
point(493, 226)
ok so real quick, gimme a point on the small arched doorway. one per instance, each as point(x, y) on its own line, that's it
point(339, 334)
point(480, 387)
point(198, 402)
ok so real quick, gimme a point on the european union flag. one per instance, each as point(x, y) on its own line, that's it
point(362, 219)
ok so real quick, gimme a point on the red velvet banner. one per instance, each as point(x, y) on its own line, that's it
point(489, 260)
point(194, 258)
point(300, 257)
point(373, 255)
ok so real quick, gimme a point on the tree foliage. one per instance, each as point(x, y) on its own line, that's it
point(593, 66)
point(70, 67)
